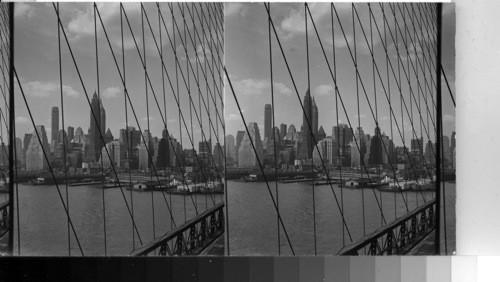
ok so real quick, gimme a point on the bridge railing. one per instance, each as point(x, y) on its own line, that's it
point(189, 239)
point(398, 237)
point(4, 218)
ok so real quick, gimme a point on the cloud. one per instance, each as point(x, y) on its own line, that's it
point(69, 91)
point(231, 9)
point(294, 23)
point(324, 90)
point(22, 120)
point(233, 117)
point(42, 89)
point(23, 10)
point(251, 86)
point(111, 92)
point(282, 89)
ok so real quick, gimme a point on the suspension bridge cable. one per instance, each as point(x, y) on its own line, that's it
point(190, 99)
point(359, 117)
point(258, 160)
point(156, 100)
point(132, 107)
point(448, 85)
point(64, 135)
point(178, 104)
point(368, 101)
point(273, 133)
point(338, 128)
point(306, 117)
point(147, 116)
point(102, 161)
point(129, 138)
point(309, 113)
point(47, 160)
point(399, 87)
point(92, 110)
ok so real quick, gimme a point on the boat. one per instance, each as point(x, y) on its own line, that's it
point(39, 181)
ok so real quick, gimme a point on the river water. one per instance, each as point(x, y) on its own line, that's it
point(43, 222)
point(253, 228)
point(252, 217)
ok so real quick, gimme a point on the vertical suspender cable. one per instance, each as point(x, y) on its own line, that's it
point(150, 156)
point(310, 138)
point(274, 125)
point(12, 137)
point(439, 129)
point(339, 160)
point(102, 161)
point(129, 137)
point(64, 135)
point(359, 118)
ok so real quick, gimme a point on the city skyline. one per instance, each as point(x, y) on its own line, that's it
point(248, 60)
point(37, 63)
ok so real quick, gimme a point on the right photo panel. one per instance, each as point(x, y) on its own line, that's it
point(339, 128)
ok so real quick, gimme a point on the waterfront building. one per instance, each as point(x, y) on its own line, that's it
point(71, 133)
point(54, 130)
point(283, 131)
point(108, 137)
point(146, 151)
point(230, 147)
point(268, 121)
point(218, 155)
point(342, 134)
point(97, 123)
point(355, 154)
point(417, 147)
point(326, 148)
point(79, 136)
point(35, 159)
point(239, 137)
point(309, 123)
point(291, 134)
point(163, 159)
point(430, 153)
point(321, 134)
point(204, 153)
point(247, 157)
point(375, 157)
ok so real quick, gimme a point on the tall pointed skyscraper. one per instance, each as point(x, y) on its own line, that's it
point(309, 117)
point(96, 124)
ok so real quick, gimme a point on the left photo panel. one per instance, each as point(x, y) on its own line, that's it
point(112, 129)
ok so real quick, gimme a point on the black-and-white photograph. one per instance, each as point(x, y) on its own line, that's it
point(332, 119)
point(227, 129)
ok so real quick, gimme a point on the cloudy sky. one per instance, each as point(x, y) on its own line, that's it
point(247, 60)
point(36, 59)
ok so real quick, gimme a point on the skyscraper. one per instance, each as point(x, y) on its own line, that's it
point(230, 147)
point(309, 122)
point(268, 113)
point(239, 137)
point(375, 157)
point(283, 131)
point(291, 134)
point(96, 124)
point(163, 159)
point(55, 125)
point(71, 133)
point(247, 156)
point(35, 159)
point(205, 152)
